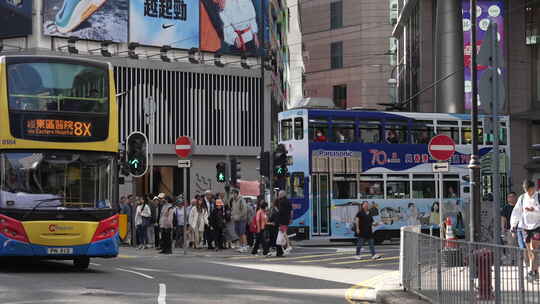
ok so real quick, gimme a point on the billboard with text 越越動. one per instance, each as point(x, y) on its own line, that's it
point(165, 22)
point(17, 15)
point(99, 20)
point(234, 26)
point(486, 11)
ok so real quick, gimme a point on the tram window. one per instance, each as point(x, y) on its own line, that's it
point(396, 134)
point(448, 128)
point(344, 186)
point(423, 189)
point(297, 185)
point(371, 189)
point(398, 189)
point(318, 130)
point(343, 131)
point(502, 137)
point(466, 137)
point(286, 129)
point(370, 132)
point(298, 128)
point(422, 132)
point(451, 189)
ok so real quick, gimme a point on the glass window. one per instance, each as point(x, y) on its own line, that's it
point(318, 130)
point(466, 137)
point(344, 186)
point(286, 129)
point(398, 187)
point(371, 189)
point(370, 132)
point(488, 138)
point(58, 87)
point(56, 179)
point(343, 131)
point(450, 188)
point(422, 132)
point(298, 128)
point(340, 96)
point(297, 185)
point(336, 55)
point(448, 128)
point(396, 134)
point(336, 14)
point(423, 189)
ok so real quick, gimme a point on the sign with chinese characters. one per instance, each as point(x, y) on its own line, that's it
point(165, 22)
point(58, 127)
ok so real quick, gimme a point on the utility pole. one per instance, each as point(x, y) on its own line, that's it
point(150, 110)
point(474, 164)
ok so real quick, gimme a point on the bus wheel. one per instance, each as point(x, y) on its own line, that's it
point(81, 263)
point(380, 237)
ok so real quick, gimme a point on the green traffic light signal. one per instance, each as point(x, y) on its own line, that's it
point(221, 177)
point(221, 172)
point(137, 154)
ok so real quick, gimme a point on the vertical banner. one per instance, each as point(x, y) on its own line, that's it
point(165, 22)
point(487, 11)
point(93, 20)
point(15, 18)
point(233, 26)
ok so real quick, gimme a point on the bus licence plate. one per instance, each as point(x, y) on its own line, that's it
point(60, 250)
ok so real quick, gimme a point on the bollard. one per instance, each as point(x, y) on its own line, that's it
point(484, 261)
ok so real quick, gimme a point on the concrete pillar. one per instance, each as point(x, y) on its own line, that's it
point(449, 57)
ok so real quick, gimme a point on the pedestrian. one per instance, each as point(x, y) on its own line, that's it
point(251, 211)
point(125, 208)
point(150, 229)
point(180, 220)
point(272, 227)
point(217, 224)
point(239, 217)
point(158, 203)
point(230, 234)
point(284, 218)
point(198, 219)
point(260, 231)
point(508, 238)
point(166, 224)
point(527, 211)
point(209, 205)
point(364, 231)
point(143, 218)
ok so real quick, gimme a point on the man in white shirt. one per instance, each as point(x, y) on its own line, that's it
point(240, 26)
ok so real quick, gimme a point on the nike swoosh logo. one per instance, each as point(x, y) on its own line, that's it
point(166, 26)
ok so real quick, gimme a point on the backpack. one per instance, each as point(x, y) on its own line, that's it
point(175, 219)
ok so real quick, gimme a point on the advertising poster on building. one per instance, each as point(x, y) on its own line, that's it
point(18, 14)
point(92, 20)
point(487, 11)
point(233, 26)
point(165, 22)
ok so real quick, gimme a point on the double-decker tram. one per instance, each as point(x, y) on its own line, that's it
point(338, 159)
point(58, 155)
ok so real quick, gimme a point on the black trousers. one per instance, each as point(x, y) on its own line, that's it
point(261, 239)
point(218, 238)
point(166, 240)
point(157, 242)
point(208, 236)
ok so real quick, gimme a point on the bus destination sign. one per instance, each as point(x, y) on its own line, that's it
point(58, 127)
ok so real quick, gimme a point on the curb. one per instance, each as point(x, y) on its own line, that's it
point(398, 296)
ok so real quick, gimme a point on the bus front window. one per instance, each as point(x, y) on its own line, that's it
point(57, 87)
point(56, 179)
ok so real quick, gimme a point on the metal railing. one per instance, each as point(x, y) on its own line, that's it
point(444, 271)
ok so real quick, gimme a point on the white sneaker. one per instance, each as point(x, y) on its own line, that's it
point(357, 257)
point(376, 257)
point(288, 250)
point(271, 254)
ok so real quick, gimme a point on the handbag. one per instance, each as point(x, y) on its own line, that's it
point(280, 240)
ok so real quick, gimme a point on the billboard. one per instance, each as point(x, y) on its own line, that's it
point(92, 20)
point(233, 26)
point(18, 14)
point(487, 11)
point(165, 22)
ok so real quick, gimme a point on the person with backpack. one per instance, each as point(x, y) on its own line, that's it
point(166, 224)
point(260, 230)
point(364, 231)
point(217, 224)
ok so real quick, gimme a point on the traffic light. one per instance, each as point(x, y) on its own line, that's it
point(264, 164)
point(235, 171)
point(280, 161)
point(137, 154)
point(221, 172)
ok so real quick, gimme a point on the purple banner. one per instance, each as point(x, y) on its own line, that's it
point(487, 11)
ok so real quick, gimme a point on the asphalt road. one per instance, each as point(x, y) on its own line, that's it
point(308, 275)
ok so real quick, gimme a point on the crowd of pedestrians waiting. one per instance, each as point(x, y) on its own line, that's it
point(213, 221)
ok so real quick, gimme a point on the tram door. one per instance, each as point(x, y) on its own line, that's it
point(320, 209)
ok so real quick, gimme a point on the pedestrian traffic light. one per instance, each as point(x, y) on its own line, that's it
point(280, 161)
point(221, 172)
point(137, 154)
point(235, 171)
point(264, 164)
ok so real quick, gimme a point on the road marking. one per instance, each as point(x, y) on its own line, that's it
point(126, 256)
point(162, 294)
point(332, 259)
point(303, 257)
point(379, 265)
point(137, 273)
point(365, 261)
point(358, 291)
point(95, 264)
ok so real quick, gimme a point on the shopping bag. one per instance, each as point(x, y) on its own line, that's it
point(280, 240)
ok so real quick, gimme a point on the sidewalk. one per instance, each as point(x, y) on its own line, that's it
point(390, 292)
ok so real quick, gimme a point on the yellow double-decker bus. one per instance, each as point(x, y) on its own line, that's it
point(58, 158)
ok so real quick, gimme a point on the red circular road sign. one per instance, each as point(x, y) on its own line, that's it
point(441, 147)
point(183, 146)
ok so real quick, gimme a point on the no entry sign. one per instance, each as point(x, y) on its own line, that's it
point(441, 147)
point(183, 146)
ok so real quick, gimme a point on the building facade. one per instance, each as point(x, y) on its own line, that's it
point(296, 63)
point(347, 51)
point(222, 100)
point(430, 66)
